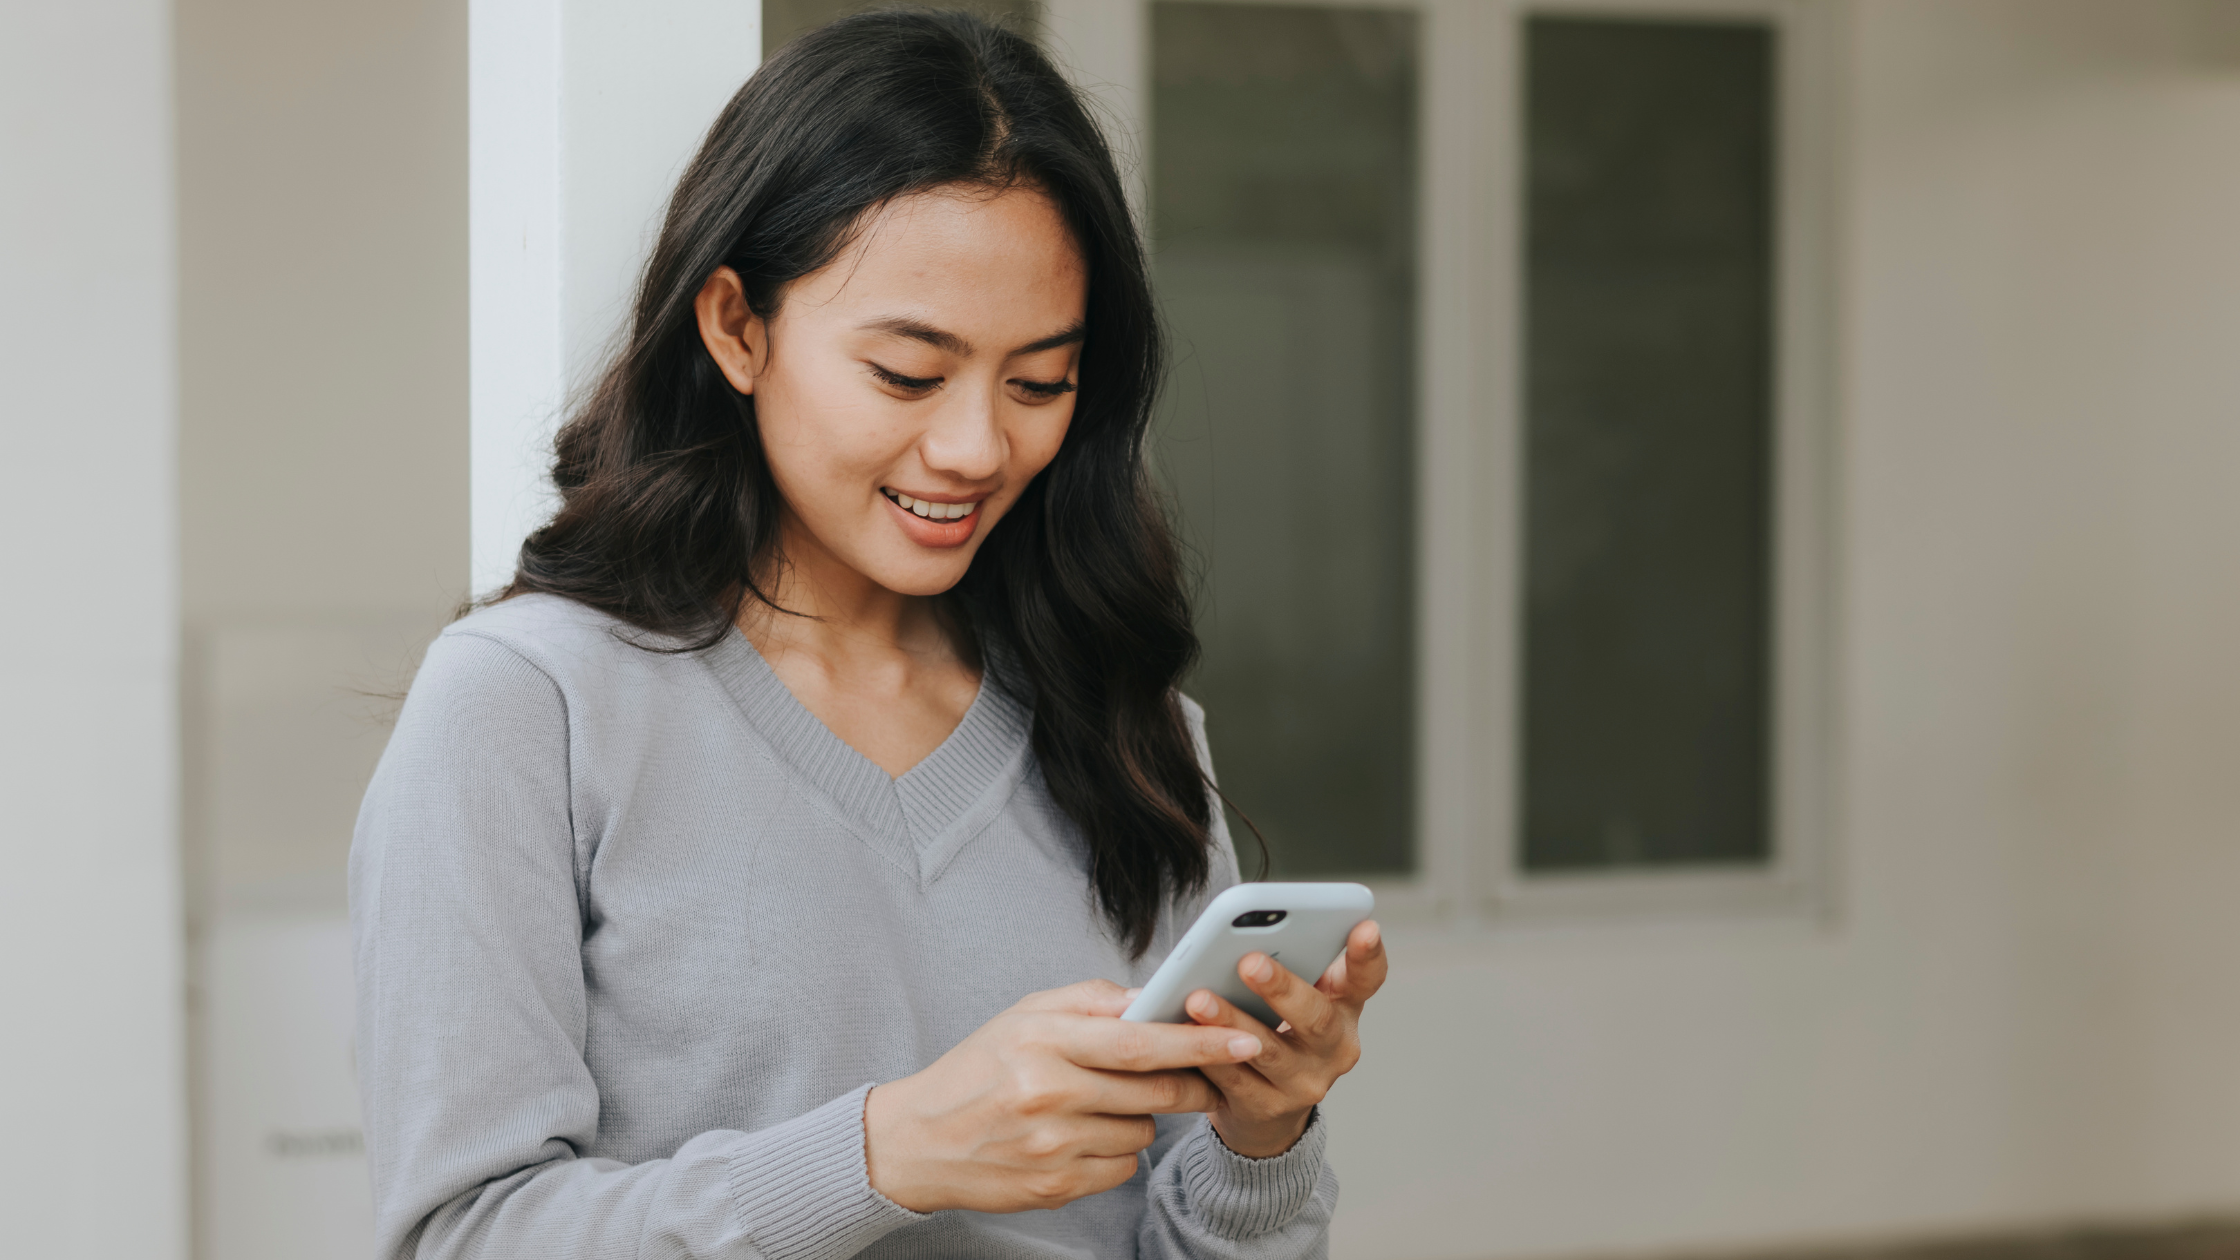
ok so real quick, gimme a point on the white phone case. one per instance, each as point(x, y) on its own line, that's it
point(1307, 939)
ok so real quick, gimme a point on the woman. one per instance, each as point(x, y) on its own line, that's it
point(762, 874)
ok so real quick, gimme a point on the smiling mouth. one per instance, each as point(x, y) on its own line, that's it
point(930, 510)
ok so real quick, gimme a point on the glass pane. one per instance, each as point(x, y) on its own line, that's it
point(1648, 396)
point(1283, 205)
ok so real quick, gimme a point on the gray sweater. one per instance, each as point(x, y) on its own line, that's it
point(636, 934)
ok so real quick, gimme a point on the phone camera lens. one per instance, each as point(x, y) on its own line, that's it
point(1258, 918)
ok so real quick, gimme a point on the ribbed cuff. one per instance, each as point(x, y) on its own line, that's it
point(803, 1190)
point(1239, 1197)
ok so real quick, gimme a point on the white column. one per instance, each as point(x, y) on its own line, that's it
point(582, 113)
point(93, 1114)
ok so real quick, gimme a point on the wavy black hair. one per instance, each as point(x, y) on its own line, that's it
point(668, 513)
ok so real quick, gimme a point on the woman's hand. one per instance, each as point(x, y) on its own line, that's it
point(1046, 1103)
point(1266, 1102)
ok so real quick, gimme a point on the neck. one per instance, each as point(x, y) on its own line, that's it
point(836, 616)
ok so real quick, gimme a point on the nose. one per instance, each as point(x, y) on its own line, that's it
point(965, 439)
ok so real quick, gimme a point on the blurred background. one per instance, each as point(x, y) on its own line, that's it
point(1722, 510)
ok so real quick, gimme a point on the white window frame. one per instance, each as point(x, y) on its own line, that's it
point(1469, 448)
point(1797, 876)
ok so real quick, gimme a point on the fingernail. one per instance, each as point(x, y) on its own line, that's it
point(1376, 936)
point(1202, 1004)
point(1132, 994)
point(1259, 967)
point(1244, 1047)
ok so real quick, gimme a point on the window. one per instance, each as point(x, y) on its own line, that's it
point(1670, 187)
point(1649, 330)
point(1283, 208)
point(1496, 429)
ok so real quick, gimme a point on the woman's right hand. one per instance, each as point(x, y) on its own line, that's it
point(1047, 1103)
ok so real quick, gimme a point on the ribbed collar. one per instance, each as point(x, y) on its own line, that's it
point(918, 821)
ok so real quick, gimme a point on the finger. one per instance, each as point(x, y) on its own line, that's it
point(1151, 1093)
point(1089, 997)
point(1361, 970)
point(1333, 981)
point(1246, 1091)
point(1310, 1012)
point(1212, 1010)
point(1108, 1137)
point(1119, 1046)
point(1103, 1172)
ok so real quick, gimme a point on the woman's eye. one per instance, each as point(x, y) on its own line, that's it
point(908, 384)
point(1045, 390)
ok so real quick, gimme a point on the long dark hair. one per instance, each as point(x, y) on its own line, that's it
point(668, 513)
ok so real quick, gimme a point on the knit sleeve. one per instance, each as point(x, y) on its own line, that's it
point(1207, 1202)
point(472, 1014)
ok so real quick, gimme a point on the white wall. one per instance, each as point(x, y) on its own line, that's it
point(2021, 1009)
point(92, 1119)
point(323, 528)
point(323, 298)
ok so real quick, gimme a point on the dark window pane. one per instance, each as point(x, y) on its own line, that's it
point(1283, 204)
point(1648, 397)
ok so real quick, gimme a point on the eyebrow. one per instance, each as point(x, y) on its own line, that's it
point(941, 339)
point(1071, 333)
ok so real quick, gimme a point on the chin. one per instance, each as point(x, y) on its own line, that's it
point(922, 578)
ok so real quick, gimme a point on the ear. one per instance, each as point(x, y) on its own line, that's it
point(736, 337)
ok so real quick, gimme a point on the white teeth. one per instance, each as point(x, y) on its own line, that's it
point(930, 510)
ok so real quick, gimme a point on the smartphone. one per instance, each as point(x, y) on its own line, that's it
point(1301, 926)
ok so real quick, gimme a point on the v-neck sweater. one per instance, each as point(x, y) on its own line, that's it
point(636, 934)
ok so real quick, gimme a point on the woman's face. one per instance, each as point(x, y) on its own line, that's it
point(909, 391)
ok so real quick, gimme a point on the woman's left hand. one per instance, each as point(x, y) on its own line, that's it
point(1267, 1100)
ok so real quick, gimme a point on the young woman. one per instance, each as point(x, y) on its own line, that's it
point(763, 874)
